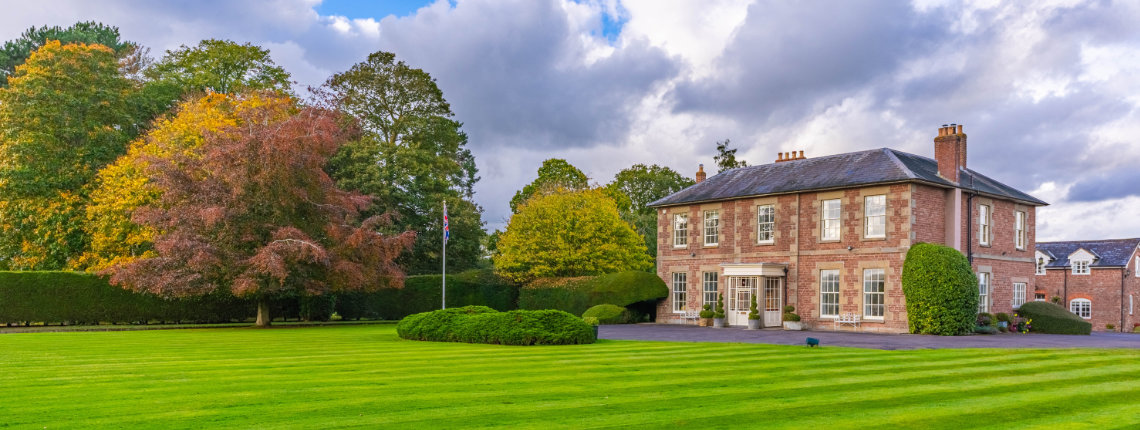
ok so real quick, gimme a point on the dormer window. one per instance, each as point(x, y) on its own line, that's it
point(1041, 266)
point(1081, 267)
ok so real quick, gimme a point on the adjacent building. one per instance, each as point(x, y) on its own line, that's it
point(1098, 280)
point(829, 235)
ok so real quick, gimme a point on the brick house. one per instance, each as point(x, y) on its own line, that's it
point(1096, 279)
point(829, 235)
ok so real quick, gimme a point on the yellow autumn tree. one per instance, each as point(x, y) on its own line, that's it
point(122, 186)
point(569, 233)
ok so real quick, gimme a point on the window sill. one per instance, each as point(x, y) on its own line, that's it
point(680, 246)
point(715, 245)
point(772, 242)
point(830, 240)
point(875, 238)
point(874, 319)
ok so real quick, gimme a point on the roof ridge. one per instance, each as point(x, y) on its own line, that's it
point(898, 163)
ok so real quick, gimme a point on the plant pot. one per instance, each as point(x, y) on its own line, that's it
point(1003, 324)
point(793, 325)
point(704, 322)
point(718, 322)
point(753, 324)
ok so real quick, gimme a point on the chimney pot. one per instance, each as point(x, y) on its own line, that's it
point(700, 173)
point(802, 154)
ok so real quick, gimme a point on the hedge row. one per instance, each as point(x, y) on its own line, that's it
point(80, 298)
point(423, 293)
point(1050, 318)
point(481, 324)
point(636, 290)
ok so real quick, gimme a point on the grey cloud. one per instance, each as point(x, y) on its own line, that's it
point(1113, 184)
point(516, 75)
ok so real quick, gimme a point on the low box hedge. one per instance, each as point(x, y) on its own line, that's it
point(1050, 318)
point(609, 314)
point(636, 290)
point(481, 324)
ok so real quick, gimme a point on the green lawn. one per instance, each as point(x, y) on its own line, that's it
point(364, 376)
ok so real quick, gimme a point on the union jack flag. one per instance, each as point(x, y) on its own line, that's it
point(446, 229)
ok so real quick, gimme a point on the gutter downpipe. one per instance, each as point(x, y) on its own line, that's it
point(1123, 274)
point(970, 229)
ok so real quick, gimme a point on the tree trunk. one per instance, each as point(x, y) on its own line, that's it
point(263, 312)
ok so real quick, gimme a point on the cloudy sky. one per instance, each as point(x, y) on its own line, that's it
point(1048, 91)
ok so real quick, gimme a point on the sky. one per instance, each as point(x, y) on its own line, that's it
point(1047, 91)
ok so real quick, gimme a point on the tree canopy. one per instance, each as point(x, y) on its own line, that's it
point(568, 233)
point(644, 185)
point(219, 66)
point(255, 211)
point(412, 156)
point(554, 174)
point(16, 52)
point(123, 186)
point(726, 158)
point(66, 113)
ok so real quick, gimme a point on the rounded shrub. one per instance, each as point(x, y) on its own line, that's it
point(1050, 318)
point(481, 324)
point(609, 314)
point(941, 290)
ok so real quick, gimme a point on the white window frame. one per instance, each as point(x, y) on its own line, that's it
point(874, 279)
point(828, 279)
point(1081, 267)
point(1038, 299)
point(706, 282)
point(1018, 298)
point(1081, 307)
point(875, 214)
point(983, 292)
point(1136, 267)
point(680, 292)
point(1020, 233)
point(712, 227)
point(830, 228)
point(1040, 266)
point(680, 230)
point(766, 223)
point(984, 229)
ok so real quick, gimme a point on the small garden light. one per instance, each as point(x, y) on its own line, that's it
point(812, 342)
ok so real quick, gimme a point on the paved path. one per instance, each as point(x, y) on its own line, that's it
point(688, 333)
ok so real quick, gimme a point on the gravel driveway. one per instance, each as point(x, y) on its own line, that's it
point(689, 333)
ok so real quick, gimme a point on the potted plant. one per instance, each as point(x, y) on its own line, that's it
point(706, 316)
point(593, 322)
point(791, 320)
point(718, 316)
point(1002, 321)
point(753, 316)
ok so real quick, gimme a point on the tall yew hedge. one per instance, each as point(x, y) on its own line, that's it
point(941, 290)
point(575, 295)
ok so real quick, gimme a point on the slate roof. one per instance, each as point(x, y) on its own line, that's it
point(876, 166)
point(1111, 253)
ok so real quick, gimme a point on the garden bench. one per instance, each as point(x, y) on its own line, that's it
point(851, 319)
point(691, 316)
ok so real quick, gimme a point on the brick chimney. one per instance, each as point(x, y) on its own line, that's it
point(950, 151)
point(700, 173)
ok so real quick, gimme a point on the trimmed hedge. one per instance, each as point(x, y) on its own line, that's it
point(941, 290)
point(481, 324)
point(609, 314)
point(1050, 318)
point(423, 293)
point(631, 289)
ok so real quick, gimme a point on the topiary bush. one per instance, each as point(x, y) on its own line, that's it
point(1050, 318)
point(481, 324)
point(941, 290)
point(575, 295)
point(609, 314)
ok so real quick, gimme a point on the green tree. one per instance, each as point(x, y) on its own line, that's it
point(568, 233)
point(412, 157)
point(644, 185)
point(220, 66)
point(554, 174)
point(15, 52)
point(66, 113)
point(726, 158)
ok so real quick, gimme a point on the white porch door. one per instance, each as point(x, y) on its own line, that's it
point(741, 290)
point(773, 303)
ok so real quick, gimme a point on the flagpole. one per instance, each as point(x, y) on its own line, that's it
point(444, 255)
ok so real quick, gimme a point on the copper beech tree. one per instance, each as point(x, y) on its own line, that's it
point(256, 213)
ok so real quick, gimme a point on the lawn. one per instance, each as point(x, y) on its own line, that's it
point(364, 376)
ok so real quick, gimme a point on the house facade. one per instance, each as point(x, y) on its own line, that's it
point(829, 235)
point(1098, 280)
